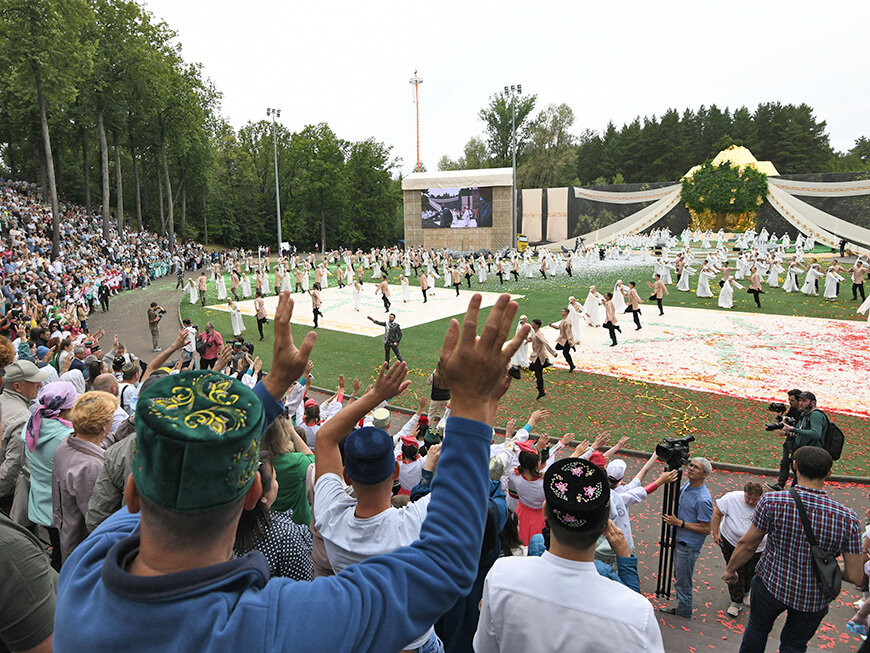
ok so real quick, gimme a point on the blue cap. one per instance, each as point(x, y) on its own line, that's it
point(368, 455)
point(41, 351)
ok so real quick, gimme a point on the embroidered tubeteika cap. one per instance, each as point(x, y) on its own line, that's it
point(197, 441)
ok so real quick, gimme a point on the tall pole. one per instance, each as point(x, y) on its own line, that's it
point(512, 91)
point(276, 113)
point(416, 81)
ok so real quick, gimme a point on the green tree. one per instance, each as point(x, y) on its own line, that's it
point(550, 151)
point(43, 54)
point(497, 116)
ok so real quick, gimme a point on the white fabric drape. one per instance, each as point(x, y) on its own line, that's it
point(824, 227)
point(625, 198)
point(557, 214)
point(532, 227)
point(821, 189)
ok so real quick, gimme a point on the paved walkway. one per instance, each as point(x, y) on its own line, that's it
point(128, 316)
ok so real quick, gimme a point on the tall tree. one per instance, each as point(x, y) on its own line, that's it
point(42, 50)
point(550, 152)
point(497, 116)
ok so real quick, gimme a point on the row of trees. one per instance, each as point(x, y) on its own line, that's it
point(97, 103)
point(651, 148)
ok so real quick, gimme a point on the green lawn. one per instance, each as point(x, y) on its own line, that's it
point(728, 429)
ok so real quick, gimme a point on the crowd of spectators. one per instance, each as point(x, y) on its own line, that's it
point(197, 502)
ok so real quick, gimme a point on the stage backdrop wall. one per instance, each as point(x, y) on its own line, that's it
point(439, 205)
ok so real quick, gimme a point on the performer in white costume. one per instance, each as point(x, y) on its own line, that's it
point(726, 295)
point(521, 357)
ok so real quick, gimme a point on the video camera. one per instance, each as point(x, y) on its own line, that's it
point(674, 452)
point(779, 409)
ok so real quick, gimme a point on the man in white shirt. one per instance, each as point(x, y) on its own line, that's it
point(732, 517)
point(559, 601)
point(189, 349)
point(365, 525)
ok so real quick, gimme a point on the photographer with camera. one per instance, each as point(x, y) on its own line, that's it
point(785, 415)
point(155, 314)
point(692, 522)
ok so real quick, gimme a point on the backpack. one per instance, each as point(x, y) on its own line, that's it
point(833, 438)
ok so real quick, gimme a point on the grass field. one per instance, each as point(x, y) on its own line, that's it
point(727, 429)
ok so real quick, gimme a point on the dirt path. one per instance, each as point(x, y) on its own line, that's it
point(128, 316)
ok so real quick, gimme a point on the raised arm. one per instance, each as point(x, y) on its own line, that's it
point(390, 383)
point(288, 362)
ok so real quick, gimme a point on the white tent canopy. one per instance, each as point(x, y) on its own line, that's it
point(458, 179)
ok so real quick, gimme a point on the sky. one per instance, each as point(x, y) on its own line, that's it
point(349, 63)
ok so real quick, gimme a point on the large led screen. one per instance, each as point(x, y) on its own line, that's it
point(456, 208)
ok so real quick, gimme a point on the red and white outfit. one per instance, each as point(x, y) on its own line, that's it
point(530, 495)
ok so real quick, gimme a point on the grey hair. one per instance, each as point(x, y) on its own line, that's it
point(80, 349)
point(703, 462)
point(209, 324)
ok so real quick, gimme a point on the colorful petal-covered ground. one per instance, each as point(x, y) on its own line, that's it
point(747, 355)
point(729, 427)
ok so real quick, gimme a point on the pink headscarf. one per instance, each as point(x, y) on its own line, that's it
point(53, 398)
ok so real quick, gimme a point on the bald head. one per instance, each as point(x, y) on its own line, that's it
point(106, 383)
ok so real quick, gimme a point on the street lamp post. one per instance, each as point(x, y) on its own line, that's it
point(512, 91)
point(276, 113)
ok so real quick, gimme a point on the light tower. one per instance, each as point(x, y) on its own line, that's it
point(416, 81)
point(511, 92)
point(276, 113)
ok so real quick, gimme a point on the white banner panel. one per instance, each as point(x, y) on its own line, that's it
point(557, 214)
point(532, 214)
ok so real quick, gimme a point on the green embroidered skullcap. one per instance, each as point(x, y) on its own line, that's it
point(197, 441)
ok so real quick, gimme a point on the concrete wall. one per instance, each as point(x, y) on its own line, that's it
point(492, 238)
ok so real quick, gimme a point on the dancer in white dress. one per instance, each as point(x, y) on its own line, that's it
point(791, 279)
point(356, 292)
point(683, 283)
point(521, 357)
point(726, 295)
point(406, 294)
point(865, 308)
point(593, 309)
point(618, 298)
point(704, 277)
point(575, 313)
point(246, 285)
point(236, 320)
point(191, 291)
point(831, 281)
point(221, 287)
point(773, 277)
point(481, 270)
point(813, 273)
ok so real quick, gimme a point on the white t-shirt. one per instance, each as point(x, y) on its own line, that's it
point(550, 603)
point(737, 518)
point(349, 539)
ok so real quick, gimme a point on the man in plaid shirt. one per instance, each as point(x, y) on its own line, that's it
point(785, 579)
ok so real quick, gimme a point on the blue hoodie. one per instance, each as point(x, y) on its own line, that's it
point(233, 606)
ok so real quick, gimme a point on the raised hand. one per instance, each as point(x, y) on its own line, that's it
point(391, 382)
point(567, 438)
point(433, 453)
point(476, 366)
point(288, 361)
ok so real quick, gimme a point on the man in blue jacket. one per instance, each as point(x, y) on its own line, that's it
point(168, 581)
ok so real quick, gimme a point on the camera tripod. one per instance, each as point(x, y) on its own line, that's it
point(668, 538)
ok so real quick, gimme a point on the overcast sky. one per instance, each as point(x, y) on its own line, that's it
point(348, 63)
